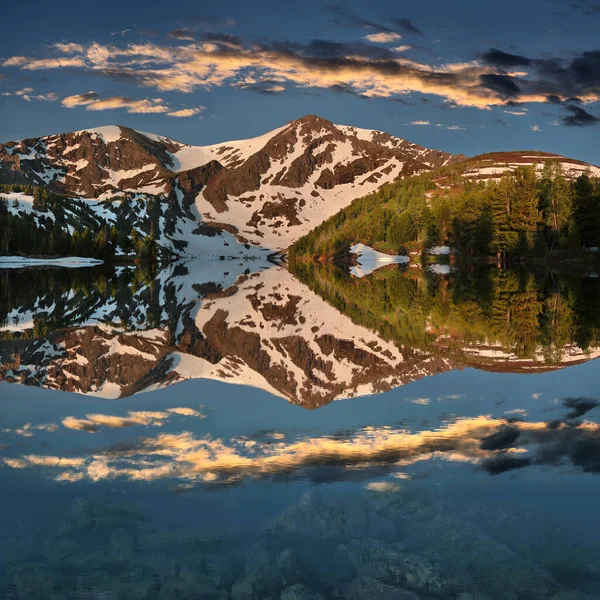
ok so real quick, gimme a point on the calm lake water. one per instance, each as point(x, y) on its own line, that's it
point(234, 431)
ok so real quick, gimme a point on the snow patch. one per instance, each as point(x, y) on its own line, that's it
point(369, 260)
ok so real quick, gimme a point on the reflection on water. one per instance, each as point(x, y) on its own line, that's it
point(430, 480)
point(311, 337)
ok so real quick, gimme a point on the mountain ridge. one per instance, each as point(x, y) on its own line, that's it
point(267, 191)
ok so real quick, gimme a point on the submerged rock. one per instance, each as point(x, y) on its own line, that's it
point(369, 588)
point(300, 592)
point(326, 518)
point(393, 564)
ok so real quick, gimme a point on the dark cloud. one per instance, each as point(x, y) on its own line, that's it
point(268, 87)
point(328, 49)
point(586, 68)
point(579, 117)
point(182, 33)
point(224, 38)
point(211, 21)
point(503, 85)
point(588, 7)
point(505, 462)
point(502, 439)
point(344, 18)
point(579, 406)
point(585, 454)
point(498, 58)
point(407, 26)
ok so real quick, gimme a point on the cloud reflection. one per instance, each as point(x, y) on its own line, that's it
point(496, 445)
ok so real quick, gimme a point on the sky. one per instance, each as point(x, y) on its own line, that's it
point(464, 77)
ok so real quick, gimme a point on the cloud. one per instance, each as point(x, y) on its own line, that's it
point(366, 70)
point(519, 113)
point(186, 112)
point(92, 422)
point(503, 59)
point(69, 48)
point(15, 61)
point(579, 117)
point(182, 33)
point(589, 8)
point(501, 439)
point(535, 128)
point(383, 37)
point(407, 26)
point(497, 445)
point(29, 95)
point(579, 406)
point(503, 463)
point(419, 123)
point(53, 63)
point(93, 101)
point(503, 85)
point(403, 48)
point(344, 18)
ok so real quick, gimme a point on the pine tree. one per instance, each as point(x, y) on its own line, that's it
point(557, 205)
point(586, 211)
point(524, 214)
point(500, 208)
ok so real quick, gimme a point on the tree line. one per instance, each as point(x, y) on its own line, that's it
point(62, 226)
point(516, 215)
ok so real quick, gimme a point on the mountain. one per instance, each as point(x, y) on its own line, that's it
point(268, 190)
point(218, 200)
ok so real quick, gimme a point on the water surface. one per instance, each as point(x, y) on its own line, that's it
point(235, 431)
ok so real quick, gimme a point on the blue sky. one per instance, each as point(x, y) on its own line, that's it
point(457, 76)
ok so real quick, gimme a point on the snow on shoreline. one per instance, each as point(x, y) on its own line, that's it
point(369, 260)
point(18, 262)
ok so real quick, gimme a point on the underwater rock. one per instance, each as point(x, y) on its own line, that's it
point(120, 547)
point(290, 566)
point(325, 518)
point(242, 590)
point(86, 515)
point(32, 581)
point(393, 564)
point(260, 571)
point(300, 592)
point(369, 588)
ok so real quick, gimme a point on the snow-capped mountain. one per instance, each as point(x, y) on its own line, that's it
point(268, 190)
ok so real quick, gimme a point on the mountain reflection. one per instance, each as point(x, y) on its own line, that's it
point(311, 336)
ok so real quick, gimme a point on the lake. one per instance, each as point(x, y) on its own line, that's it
point(235, 430)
